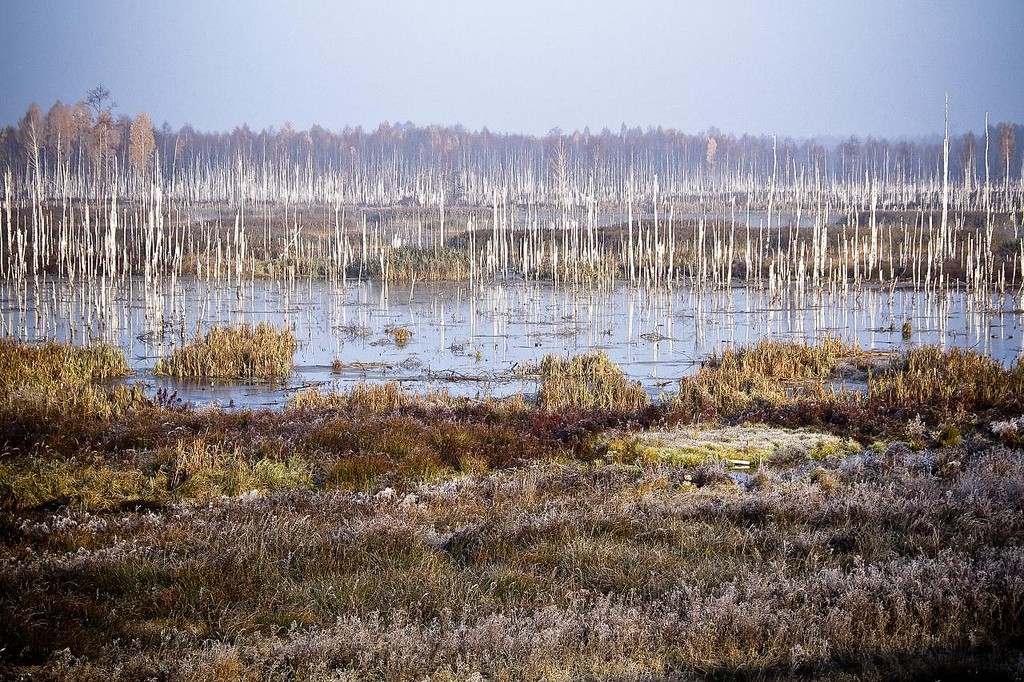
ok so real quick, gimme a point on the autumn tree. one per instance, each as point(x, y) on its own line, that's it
point(712, 151)
point(141, 143)
point(104, 140)
point(31, 131)
point(83, 124)
point(60, 129)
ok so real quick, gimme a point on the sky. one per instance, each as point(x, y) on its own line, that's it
point(796, 68)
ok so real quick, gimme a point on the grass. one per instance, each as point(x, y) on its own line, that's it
point(376, 534)
point(949, 380)
point(876, 569)
point(769, 372)
point(374, 397)
point(750, 444)
point(796, 384)
point(56, 365)
point(55, 386)
point(240, 352)
point(588, 382)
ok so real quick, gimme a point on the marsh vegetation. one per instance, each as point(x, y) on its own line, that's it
point(645, 405)
point(377, 532)
point(241, 352)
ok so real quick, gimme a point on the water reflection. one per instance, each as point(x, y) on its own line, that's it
point(471, 339)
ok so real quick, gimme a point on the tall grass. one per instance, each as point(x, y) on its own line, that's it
point(241, 352)
point(57, 365)
point(588, 382)
point(769, 372)
point(41, 383)
point(954, 379)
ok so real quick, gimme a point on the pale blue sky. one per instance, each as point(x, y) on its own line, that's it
point(792, 67)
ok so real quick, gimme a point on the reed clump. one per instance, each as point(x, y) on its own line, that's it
point(770, 373)
point(238, 352)
point(57, 365)
point(588, 382)
point(940, 380)
point(401, 335)
point(39, 383)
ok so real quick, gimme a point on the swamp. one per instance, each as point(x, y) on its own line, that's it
point(432, 404)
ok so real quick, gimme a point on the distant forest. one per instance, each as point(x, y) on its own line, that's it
point(86, 151)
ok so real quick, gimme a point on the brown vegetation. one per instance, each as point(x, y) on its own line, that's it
point(377, 534)
point(895, 564)
point(587, 382)
point(242, 352)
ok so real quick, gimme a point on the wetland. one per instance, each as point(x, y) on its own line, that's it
point(563, 408)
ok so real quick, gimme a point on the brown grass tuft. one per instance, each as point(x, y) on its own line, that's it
point(242, 352)
point(770, 372)
point(953, 379)
point(588, 382)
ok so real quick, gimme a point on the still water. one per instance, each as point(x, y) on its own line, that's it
point(472, 339)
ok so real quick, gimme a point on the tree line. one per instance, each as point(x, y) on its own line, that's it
point(84, 150)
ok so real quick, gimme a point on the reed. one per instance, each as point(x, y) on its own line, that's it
point(769, 372)
point(937, 380)
point(240, 352)
point(590, 381)
point(56, 365)
point(55, 380)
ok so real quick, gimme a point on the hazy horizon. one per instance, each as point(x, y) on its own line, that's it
point(800, 69)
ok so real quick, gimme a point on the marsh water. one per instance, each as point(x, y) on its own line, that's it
point(475, 340)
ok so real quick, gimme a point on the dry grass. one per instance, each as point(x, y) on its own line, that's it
point(377, 535)
point(873, 566)
point(54, 386)
point(57, 365)
point(770, 372)
point(955, 379)
point(374, 397)
point(588, 382)
point(928, 394)
point(241, 352)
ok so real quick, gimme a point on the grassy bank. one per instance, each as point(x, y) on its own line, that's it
point(381, 535)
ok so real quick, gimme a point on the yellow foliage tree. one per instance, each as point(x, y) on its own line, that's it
point(141, 143)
